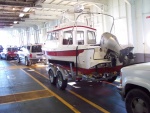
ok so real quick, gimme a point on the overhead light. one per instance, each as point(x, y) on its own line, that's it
point(26, 9)
point(78, 8)
point(13, 8)
point(15, 22)
point(21, 14)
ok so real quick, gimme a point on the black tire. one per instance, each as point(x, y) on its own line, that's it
point(18, 59)
point(0, 57)
point(61, 84)
point(137, 101)
point(7, 58)
point(112, 79)
point(27, 63)
point(51, 77)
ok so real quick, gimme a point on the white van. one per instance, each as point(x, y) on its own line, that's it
point(31, 54)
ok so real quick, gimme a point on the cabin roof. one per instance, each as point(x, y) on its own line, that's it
point(71, 25)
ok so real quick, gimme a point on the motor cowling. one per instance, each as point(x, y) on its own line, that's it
point(110, 44)
point(113, 49)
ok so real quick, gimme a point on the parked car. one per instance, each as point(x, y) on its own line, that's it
point(136, 87)
point(31, 54)
point(10, 52)
point(1, 48)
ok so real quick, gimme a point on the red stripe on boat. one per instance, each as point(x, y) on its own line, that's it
point(148, 17)
point(64, 53)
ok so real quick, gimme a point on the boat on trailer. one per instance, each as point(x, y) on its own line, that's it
point(72, 51)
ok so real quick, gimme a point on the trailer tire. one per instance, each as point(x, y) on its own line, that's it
point(51, 77)
point(61, 84)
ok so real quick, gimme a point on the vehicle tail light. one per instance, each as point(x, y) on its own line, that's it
point(30, 55)
point(8, 52)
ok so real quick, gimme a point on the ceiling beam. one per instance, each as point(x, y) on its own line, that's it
point(9, 15)
point(43, 17)
point(105, 2)
point(3, 24)
point(23, 25)
point(10, 20)
point(6, 21)
point(38, 2)
point(47, 12)
point(53, 6)
point(35, 23)
point(16, 3)
point(36, 20)
point(13, 12)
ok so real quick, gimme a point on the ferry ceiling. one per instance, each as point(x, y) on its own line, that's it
point(27, 13)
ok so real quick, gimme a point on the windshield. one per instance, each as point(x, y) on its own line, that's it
point(36, 48)
point(67, 38)
point(12, 49)
point(80, 37)
point(53, 36)
point(91, 37)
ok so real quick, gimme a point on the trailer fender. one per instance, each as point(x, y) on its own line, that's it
point(53, 68)
point(64, 72)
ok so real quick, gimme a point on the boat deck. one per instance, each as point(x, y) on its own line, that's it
point(27, 90)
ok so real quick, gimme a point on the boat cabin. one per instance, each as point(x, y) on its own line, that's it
point(72, 35)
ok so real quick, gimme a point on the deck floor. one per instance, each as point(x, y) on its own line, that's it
point(28, 90)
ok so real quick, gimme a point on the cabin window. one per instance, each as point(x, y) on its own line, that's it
point(67, 38)
point(53, 36)
point(80, 37)
point(91, 37)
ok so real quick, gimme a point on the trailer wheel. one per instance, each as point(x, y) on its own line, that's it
point(61, 84)
point(51, 77)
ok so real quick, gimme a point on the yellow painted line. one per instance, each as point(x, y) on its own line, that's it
point(15, 67)
point(89, 102)
point(22, 99)
point(26, 100)
point(30, 91)
point(86, 100)
point(58, 97)
point(41, 74)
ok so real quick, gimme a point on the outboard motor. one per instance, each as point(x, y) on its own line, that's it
point(111, 46)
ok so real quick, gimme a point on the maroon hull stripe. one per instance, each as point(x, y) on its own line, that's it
point(91, 71)
point(64, 53)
